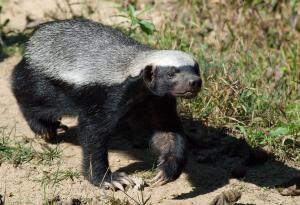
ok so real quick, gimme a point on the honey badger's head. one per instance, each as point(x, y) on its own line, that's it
point(173, 73)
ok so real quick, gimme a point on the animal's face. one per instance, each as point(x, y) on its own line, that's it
point(181, 81)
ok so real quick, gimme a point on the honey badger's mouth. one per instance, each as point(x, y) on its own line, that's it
point(187, 94)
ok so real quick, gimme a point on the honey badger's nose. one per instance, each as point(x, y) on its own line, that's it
point(195, 83)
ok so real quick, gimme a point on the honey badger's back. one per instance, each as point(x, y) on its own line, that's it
point(81, 52)
point(60, 55)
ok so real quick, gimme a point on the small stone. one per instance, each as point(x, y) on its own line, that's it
point(290, 188)
point(228, 197)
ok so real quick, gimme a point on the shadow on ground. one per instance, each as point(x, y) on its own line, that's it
point(212, 158)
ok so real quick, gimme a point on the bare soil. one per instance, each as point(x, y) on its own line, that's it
point(199, 183)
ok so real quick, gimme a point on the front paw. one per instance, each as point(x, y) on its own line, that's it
point(169, 169)
point(120, 180)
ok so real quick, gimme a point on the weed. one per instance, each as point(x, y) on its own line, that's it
point(16, 153)
point(11, 43)
point(19, 152)
point(55, 178)
point(132, 16)
point(141, 200)
point(49, 153)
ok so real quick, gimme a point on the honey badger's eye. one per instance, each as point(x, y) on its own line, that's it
point(171, 73)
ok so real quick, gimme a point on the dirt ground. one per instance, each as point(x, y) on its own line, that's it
point(199, 183)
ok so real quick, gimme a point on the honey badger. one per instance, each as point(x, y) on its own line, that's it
point(86, 69)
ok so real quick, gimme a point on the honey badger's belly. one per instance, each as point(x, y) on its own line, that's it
point(147, 117)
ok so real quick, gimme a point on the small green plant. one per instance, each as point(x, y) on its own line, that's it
point(11, 42)
point(140, 200)
point(49, 153)
point(135, 21)
point(15, 153)
point(19, 152)
point(115, 201)
point(55, 178)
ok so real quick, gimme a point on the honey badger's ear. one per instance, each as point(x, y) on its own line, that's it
point(149, 74)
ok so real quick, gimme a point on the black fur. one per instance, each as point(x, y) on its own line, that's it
point(144, 103)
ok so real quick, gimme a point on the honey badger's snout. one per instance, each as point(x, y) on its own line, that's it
point(195, 83)
point(188, 84)
point(190, 87)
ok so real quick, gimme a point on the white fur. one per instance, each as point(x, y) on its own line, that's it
point(169, 58)
point(160, 58)
point(84, 53)
point(73, 77)
point(85, 74)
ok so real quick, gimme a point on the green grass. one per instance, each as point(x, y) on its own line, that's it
point(20, 152)
point(11, 43)
point(49, 154)
point(55, 178)
point(14, 44)
point(15, 153)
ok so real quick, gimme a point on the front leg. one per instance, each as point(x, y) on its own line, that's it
point(94, 132)
point(171, 148)
point(93, 139)
point(168, 140)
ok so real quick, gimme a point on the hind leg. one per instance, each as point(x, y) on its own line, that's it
point(42, 123)
point(41, 103)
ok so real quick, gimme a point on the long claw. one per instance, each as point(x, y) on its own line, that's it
point(122, 176)
point(160, 182)
point(127, 182)
point(118, 185)
point(121, 180)
point(159, 179)
point(161, 162)
point(155, 183)
point(158, 175)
